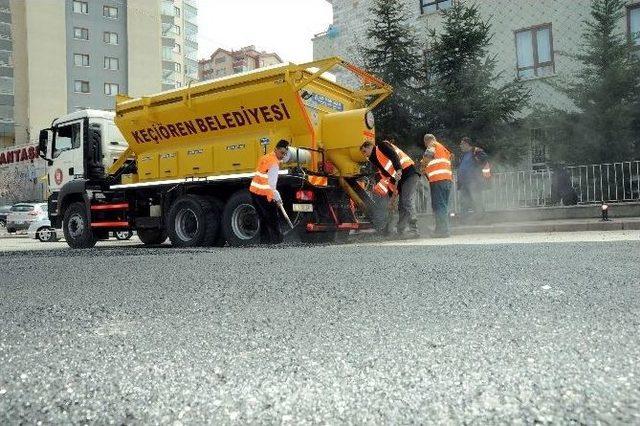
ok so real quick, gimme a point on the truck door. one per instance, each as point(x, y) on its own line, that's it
point(66, 154)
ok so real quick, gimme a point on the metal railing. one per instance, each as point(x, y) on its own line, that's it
point(571, 185)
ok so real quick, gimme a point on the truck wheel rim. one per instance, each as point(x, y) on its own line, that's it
point(76, 226)
point(186, 224)
point(244, 222)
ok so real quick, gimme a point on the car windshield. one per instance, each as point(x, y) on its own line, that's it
point(22, 208)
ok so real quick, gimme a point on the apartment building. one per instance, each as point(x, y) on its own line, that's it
point(227, 62)
point(59, 56)
point(534, 41)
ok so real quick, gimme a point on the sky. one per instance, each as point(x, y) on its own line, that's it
point(282, 26)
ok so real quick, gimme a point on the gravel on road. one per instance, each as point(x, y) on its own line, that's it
point(494, 333)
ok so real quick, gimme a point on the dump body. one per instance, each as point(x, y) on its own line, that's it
point(223, 126)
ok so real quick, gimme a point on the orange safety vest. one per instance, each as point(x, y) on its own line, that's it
point(384, 187)
point(385, 162)
point(439, 167)
point(260, 181)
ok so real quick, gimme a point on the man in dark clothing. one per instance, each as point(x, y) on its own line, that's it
point(473, 169)
point(396, 166)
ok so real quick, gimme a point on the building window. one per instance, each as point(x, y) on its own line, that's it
point(112, 64)
point(80, 7)
point(80, 60)
point(110, 12)
point(176, 11)
point(110, 38)
point(177, 48)
point(177, 67)
point(430, 6)
point(534, 49)
point(81, 86)
point(80, 33)
point(220, 60)
point(111, 89)
point(633, 24)
point(177, 29)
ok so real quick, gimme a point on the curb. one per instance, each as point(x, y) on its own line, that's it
point(548, 227)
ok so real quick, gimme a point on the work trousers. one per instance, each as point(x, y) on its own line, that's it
point(407, 203)
point(471, 197)
point(440, 204)
point(269, 225)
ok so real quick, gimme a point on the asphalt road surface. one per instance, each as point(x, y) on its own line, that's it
point(543, 331)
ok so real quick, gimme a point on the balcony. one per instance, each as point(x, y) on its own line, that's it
point(168, 54)
point(168, 9)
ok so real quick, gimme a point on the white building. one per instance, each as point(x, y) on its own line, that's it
point(534, 41)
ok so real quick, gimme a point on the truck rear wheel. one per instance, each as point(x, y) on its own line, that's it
point(152, 237)
point(192, 222)
point(76, 227)
point(240, 221)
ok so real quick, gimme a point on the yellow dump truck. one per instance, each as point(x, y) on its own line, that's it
point(178, 164)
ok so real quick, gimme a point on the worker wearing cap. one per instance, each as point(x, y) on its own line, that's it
point(265, 195)
point(397, 170)
point(437, 168)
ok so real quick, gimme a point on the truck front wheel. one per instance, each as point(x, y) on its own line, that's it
point(76, 227)
point(192, 222)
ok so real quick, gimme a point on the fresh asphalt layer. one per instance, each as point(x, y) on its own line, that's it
point(387, 333)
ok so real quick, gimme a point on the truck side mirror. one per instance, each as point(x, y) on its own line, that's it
point(43, 141)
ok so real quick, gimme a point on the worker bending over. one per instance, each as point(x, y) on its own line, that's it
point(265, 195)
point(397, 169)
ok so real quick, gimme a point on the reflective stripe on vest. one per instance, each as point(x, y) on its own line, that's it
point(383, 187)
point(260, 182)
point(387, 164)
point(439, 168)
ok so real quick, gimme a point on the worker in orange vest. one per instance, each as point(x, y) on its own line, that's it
point(265, 195)
point(436, 163)
point(397, 170)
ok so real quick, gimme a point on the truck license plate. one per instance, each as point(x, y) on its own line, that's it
point(306, 208)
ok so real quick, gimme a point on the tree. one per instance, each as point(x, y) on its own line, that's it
point(606, 92)
point(393, 56)
point(465, 95)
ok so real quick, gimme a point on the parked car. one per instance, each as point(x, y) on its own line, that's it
point(43, 231)
point(23, 214)
point(4, 211)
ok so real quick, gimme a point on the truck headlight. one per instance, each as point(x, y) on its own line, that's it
point(369, 120)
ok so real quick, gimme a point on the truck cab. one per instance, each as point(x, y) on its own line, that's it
point(79, 146)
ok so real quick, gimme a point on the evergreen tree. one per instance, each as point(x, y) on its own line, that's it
point(393, 56)
point(466, 96)
point(606, 92)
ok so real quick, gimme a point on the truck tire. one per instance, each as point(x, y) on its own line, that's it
point(192, 222)
point(76, 227)
point(152, 237)
point(240, 221)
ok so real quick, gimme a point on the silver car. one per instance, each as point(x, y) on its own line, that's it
point(22, 215)
point(43, 231)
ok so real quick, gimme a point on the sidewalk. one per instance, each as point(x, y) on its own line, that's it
point(567, 225)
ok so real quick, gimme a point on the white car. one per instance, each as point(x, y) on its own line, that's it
point(43, 231)
point(23, 214)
